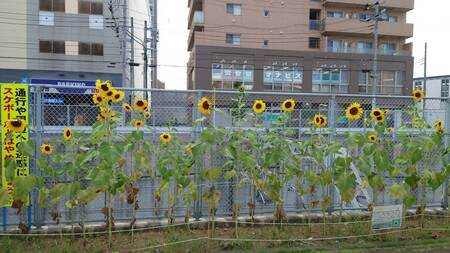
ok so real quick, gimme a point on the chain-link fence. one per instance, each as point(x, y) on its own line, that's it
point(54, 108)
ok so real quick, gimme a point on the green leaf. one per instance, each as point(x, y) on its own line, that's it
point(409, 200)
point(26, 148)
point(43, 195)
point(397, 191)
point(229, 174)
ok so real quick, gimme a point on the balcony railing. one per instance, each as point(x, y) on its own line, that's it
point(315, 25)
point(368, 51)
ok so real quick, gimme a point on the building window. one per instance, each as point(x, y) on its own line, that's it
point(392, 19)
point(283, 78)
point(231, 76)
point(55, 47)
point(86, 48)
point(266, 43)
point(389, 82)
point(266, 13)
point(52, 5)
point(444, 88)
point(233, 39)
point(364, 47)
point(330, 80)
point(389, 48)
point(335, 14)
point(363, 16)
point(314, 42)
point(90, 7)
point(234, 9)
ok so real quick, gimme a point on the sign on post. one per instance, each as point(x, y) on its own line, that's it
point(387, 217)
point(14, 106)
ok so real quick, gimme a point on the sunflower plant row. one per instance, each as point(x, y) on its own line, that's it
point(80, 167)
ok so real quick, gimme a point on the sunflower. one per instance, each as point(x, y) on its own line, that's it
point(100, 118)
point(17, 125)
point(354, 111)
point(259, 106)
point(97, 84)
point(104, 87)
point(241, 88)
point(288, 105)
point(118, 96)
point(109, 95)
point(204, 106)
point(320, 120)
point(140, 104)
point(188, 149)
point(366, 122)
point(372, 138)
point(378, 115)
point(165, 137)
point(438, 125)
point(147, 115)
point(418, 95)
point(138, 123)
point(67, 134)
point(98, 99)
point(127, 107)
point(46, 149)
point(107, 113)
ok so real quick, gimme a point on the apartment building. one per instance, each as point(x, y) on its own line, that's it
point(71, 42)
point(323, 46)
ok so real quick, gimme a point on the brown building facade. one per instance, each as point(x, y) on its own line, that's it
point(298, 46)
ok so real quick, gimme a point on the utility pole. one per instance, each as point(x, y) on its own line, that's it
point(145, 56)
point(378, 15)
point(124, 43)
point(132, 53)
point(425, 69)
point(154, 42)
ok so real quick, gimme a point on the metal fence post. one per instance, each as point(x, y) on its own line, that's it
point(39, 213)
point(195, 135)
point(445, 190)
point(332, 111)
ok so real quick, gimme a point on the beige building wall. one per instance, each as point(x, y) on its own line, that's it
point(13, 47)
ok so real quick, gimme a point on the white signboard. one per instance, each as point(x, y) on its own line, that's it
point(387, 217)
point(46, 18)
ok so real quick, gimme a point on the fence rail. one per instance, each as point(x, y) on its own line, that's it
point(54, 108)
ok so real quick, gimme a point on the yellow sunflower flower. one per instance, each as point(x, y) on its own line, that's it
point(138, 123)
point(320, 120)
point(418, 95)
point(165, 137)
point(147, 115)
point(259, 106)
point(439, 125)
point(118, 96)
point(288, 105)
point(127, 107)
point(109, 95)
point(378, 115)
point(100, 118)
point(354, 111)
point(372, 138)
point(46, 149)
point(17, 126)
point(104, 87)
point(241, 88)
point(204, 106)
point(98, 99)
point(188, 149)
point(67, 134)
point(140, 104)
point(107, 113)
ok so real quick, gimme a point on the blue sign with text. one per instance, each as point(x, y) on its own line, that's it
point(74, 83)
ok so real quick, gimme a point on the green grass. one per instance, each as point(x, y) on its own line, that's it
point(282, 240)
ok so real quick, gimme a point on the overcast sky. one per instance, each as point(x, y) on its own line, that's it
point(431, 24)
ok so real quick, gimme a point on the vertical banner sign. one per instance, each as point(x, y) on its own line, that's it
point(14, 106)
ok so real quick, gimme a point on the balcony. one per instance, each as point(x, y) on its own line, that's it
point(197, 20)
point(401, 5)
point(368, 51)
point(355, 27)
point(194, 6)
point(315, 25)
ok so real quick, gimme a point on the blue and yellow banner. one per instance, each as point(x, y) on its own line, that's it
point(14, 106)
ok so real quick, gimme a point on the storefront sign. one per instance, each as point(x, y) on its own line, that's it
point(14, 106)
point(74, 83)
point(387, 217)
